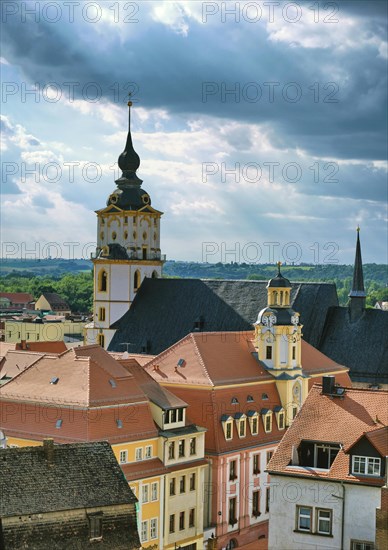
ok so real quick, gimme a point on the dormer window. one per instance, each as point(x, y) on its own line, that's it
point(250, 399)
point(267, 420)
point(253, 417)
point(317, 455)
point(366, 465)
point(227, 425)
point(280, 417)
point(234, 401)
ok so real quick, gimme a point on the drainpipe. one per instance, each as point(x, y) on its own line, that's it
point(343, 515)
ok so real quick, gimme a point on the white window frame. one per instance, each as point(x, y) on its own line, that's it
point(153, 528)
point(229, 423)
point(251, 419)
point(241, 423)
point(281, 415)
point(328, 520)
point(123, 456)
point(148, 451)
point(139, 454)
point(299, 516)
point(265, 418)
point(362, 545)
point(367, 460)
point(144, 531)
point(145, 493)
point(154, 491)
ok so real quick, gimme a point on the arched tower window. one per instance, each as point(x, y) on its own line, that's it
point(101, 340)
point(102, 280)
point(136, 279)
point(155, 275)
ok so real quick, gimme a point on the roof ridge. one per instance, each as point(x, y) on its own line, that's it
point(22, 372)
point(200, 358)
point(167, 351)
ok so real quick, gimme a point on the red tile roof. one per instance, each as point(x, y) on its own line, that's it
point(87, 389)
point(333, 420)
point(143, 469)
point(216, 359)
point(17, 297)
point(43, 347)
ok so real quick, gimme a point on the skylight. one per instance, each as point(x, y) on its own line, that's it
point(119, 423)
point(58, 423)
point(54, 380)
point(112, 383)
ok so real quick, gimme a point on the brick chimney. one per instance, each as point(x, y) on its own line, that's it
point(48, 448)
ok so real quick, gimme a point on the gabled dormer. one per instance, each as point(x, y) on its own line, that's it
point(367, 456)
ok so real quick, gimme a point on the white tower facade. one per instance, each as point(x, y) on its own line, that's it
point(128, 248)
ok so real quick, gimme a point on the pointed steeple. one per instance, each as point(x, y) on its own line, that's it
point(357, 294)
point(129, 160)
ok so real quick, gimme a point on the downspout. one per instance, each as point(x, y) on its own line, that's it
point(343, 515)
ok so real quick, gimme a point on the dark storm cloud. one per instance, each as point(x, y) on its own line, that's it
point(171, 71)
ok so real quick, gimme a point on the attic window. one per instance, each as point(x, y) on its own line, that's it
point(264, 396)
point(234, 401)
point(54, 380)
point(119, 423)
point(112, 383)
point(250, 399)
point(181, 363)
point(58, 423)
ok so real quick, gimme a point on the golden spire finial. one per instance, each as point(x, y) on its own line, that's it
point(358, 228)
point(129, 102)
point(279, 264)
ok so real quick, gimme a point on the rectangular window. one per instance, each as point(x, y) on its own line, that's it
point(269, 455)
point(192, 482)
point(325, 455)
point(167, 417)
point(181, 448)
point(228, 432)
point(268, 352)
point(95, 526)
point(144, 531)
point(172, 523)
point(256, 464)
point(267, 499)
point(192, 517)
point(182, 484)
point(232, 511)
point(242, 428)
point(232, 470)
point(268, 423)
point(173, 415)
point(154, 528)
point(256, 503)
point(193, 446)
point(254, 425)
point(123, 457)
point(281, 421)
point(324, 522)
point(303, 518)
point(180, 415)
point(293, 353)
point(366, 465)
point(154, 491)
point(148, 451)
point(172, 486)
point(361, 545)
point(171, 450)
point(145, 493)
point(181, 521)
point(101, 314)
point(139, 454)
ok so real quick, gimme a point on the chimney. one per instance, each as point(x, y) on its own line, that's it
point(328, 385)
point(48, 448)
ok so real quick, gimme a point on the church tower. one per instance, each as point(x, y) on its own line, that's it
point(278, 336)
point(128, 247)
point(357, 295)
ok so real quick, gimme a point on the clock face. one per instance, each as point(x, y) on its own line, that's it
point(269, 320)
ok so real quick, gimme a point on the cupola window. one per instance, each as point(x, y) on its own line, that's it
point(102, 280)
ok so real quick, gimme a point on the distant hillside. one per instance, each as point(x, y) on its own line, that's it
point(73, 278)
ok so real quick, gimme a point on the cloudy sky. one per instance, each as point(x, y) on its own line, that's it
point(261, 126)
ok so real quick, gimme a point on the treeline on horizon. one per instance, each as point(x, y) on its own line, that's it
point(73, 279)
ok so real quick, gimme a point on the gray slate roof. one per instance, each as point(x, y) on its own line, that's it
point(166, 310)
point(83, 475)
point(361, 345)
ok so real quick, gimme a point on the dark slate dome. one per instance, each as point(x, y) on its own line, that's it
point(129, 198)
point(279, 281)
point(116, 252)
point(283, 316)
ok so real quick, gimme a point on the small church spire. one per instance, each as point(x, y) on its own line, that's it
point(357, 294)
point(129, 160)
